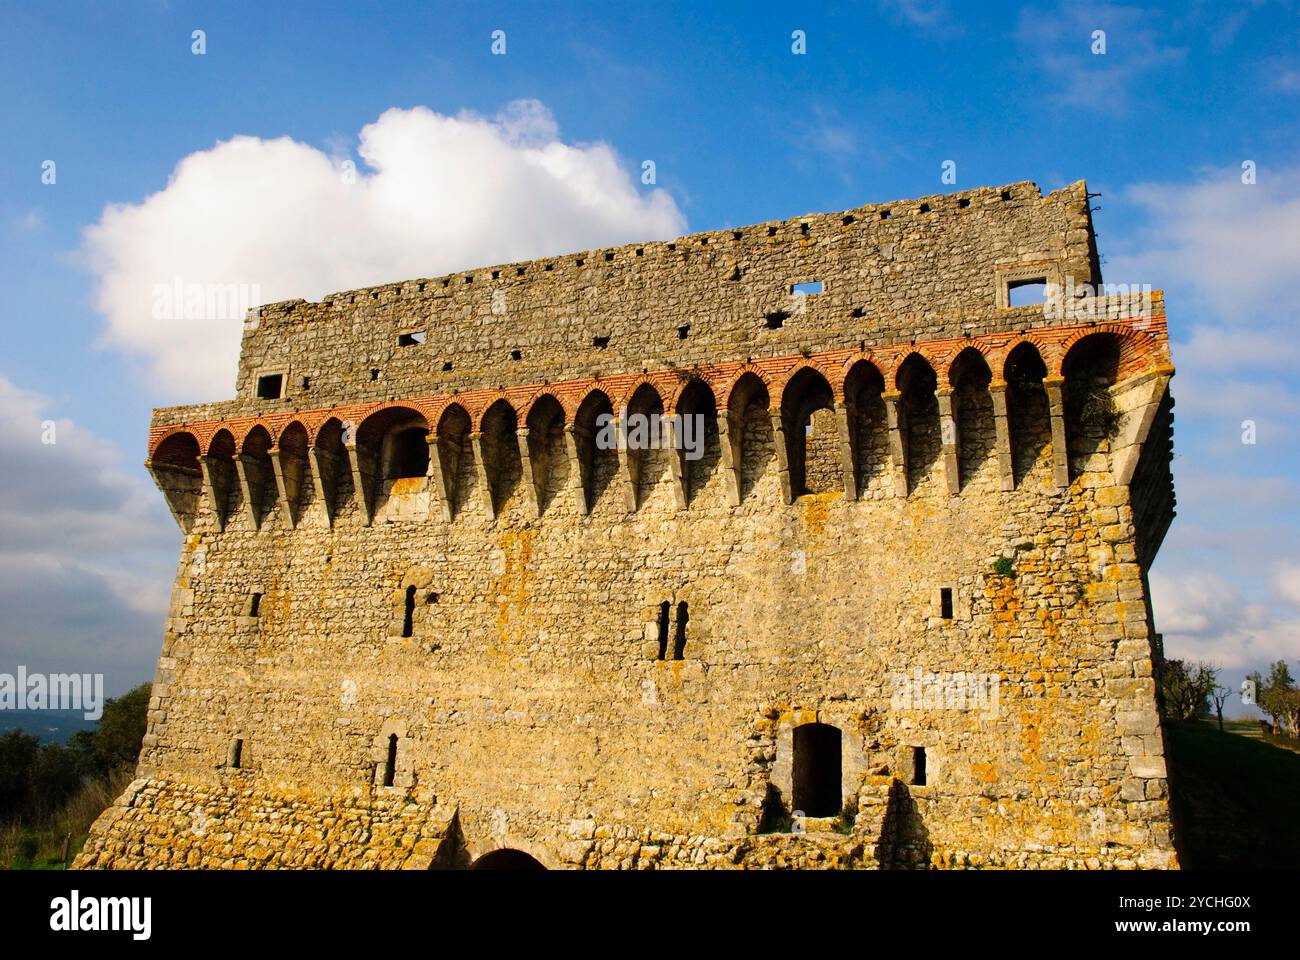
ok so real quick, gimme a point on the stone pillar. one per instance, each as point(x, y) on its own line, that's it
point(288, 483)
point(324, 475)
point(782, 454)
point(179, 487)
point(1006, 471)
point(532, 484)
point(1056, 401)
point(729, 445)
point(480, 468)
point(577, 479)
point(897, 449)
point(216, 484)
point(844, 422)
point(359, 461)
point(949, 439)
point(442, 491)
point(676, 466)
point(629, 466)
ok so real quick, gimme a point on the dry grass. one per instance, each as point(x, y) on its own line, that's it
point(51, 842)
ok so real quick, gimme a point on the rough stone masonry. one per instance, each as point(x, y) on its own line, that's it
point(896, 615)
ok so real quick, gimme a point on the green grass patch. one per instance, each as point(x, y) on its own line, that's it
point(1234, 795)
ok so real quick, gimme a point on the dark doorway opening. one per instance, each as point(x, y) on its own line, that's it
point(817, 770)
point(507, 859)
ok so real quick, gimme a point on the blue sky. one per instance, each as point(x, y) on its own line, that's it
point(740, 130)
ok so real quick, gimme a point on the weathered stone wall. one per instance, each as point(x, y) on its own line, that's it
point(543, 700)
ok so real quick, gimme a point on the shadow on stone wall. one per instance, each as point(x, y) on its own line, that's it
point(904, 842)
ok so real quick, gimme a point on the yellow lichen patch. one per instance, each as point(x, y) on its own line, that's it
point(816, 510)
point(404, 486)
point(985, 772)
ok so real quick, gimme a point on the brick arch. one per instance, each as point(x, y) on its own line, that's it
point(278, 435)
point(826, 371)
point(670, 404)
point(216, 436)
point(945, 376)
point(444, 408)
point(724, 398)
point(381, 412)
point(251, 435)
point(1137, 349)
point(525, 409)
point(490, 403)
point(179, 450)
point(314, 434)
point(652, 381)
point(892, 380)
point(1002, 355)
point(590, 392)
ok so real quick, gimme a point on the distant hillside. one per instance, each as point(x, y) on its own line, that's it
point(1234, 795)
point(51, 726)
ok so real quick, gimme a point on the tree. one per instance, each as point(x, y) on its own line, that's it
point(1276, 695)
point(1185, 689)
point(17, 757)
point(1220, 695)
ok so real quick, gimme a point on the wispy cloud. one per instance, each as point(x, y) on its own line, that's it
point(1060, 43)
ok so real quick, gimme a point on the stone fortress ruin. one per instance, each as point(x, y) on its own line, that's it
point(896, 614)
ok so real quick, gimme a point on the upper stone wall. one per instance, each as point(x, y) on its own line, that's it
point(916, 269)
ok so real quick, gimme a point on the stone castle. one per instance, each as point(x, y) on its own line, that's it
point(896, 614)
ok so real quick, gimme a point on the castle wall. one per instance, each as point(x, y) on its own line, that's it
point(539, 703)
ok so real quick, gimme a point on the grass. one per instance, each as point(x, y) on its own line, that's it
point(1234, 795)
point(51, 842)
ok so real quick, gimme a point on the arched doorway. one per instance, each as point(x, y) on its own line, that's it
point(818, 770)
point(507, 859)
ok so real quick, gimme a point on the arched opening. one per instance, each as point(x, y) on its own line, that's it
point(973, 414)
point(811, 434)
point(294, 470)
point(454, 457)
point(507, 859)
point(647, 452)
point(220, 462)
point(330, 462)
point(1091, 417)
point(547, 456)
point(501, 460)
point(597, 456)
point(258, 474)
point(818, 770)
point(175, 468)
point(749, 410)
point(1029, 418)
point(918, 421)
point(408, 456)
point(864, 388)
point(697, 439)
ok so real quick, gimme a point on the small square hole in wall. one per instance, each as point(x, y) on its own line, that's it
point(446, 282)
point(306, 383)
point(519, 271)
point(254, 605)
point(885, 214)
point(945, 603)
point(683, 331)
point(964, 202)
point(516, 354)
point(737, 235)
point(771, 231)
point(579, 262)
point(809, 289)
point(411, 339)
point(270, 387)
point(549, 266)
point(923, 208)
point(374, 374)
point(420, 288)
point(672, 247)
point(858, 313)
point(1027, 293)
point(776, 319)
point(1006, 194)
point(236, 758)
point(804, 229)
point(609, 257)
point(640, 251)
point(469, 278)
point(600, 343)
point(446, 366)
point(848, 219)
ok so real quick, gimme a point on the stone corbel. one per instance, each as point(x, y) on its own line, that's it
point(949, 440)
point(729, 445)
point(480, 467)
point(442, 490)
point(532, 484)
point(782, 455)
point(216, 484)
point(1137, 422)
point(325, 478)
point(577, 478)
point(288, 483)
point(362, 467)
point(1055, 387)
point(180, 487)
point(897, 450)
point(1006, 472)
point(848, 449)
point(676, 467)
point(629, 468)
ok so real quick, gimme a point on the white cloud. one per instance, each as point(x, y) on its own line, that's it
point(1203, 617)
point(433, 194)
point(86, 549)
point(1287, 583)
